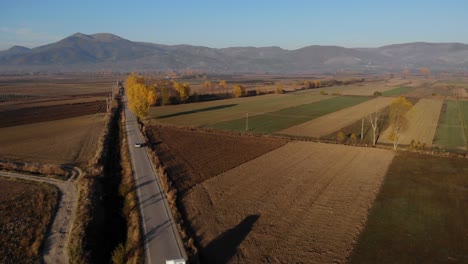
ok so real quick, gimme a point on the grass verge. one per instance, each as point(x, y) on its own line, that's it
point(420, 214)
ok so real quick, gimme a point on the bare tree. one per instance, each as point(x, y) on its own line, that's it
point(374, 119)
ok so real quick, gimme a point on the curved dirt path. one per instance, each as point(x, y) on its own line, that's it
point(55, 246)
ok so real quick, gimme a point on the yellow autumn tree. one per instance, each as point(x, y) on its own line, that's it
point(222, 84)
point(239, 90)
point(152, 96)
point(308, 84)
point(138, 95)
point(279, 88)
point(398, 109)
point(183, 90)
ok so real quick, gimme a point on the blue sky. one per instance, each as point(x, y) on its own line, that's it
point(288, 24)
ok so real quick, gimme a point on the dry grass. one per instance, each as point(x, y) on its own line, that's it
point(36, 168)
point(26, 210)
point(87, 194)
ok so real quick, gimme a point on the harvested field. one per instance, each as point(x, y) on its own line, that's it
point(422, 123)
point(66, 141)
point(301, 202)
point(26, 210)
point(460, 92)
point(49, 113)
point(194, 156)
point(207, 113)
point(284, 118)
point(453, 125)
point(366, 88)
point(330, 123)
point(56, 86)
point(420, 215)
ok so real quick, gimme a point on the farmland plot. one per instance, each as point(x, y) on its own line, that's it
point(301, 202)
point(422, 123)
point(332, 122)
point(71, 140)
point(453, 125)
point(287, 117)
point(207, 113)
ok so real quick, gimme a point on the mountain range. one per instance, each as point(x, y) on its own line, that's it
point(104, 51)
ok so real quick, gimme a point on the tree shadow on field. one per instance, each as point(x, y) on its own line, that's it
point(198, 110)
point(224, 247)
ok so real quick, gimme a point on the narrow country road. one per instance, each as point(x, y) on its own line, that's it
point(56, 243)
point(160, 236)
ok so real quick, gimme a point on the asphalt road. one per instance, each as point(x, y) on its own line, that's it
point(161, 238)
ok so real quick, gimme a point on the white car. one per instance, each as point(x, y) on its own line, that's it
point(138, 145)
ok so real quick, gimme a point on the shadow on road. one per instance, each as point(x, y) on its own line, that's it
point(199, 110)
point(224, 247)
point(155, 231)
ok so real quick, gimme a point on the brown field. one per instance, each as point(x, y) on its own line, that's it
point(57, 86)
point(299, 201)
point(26, 210)
point(66, 141)
point(302, 202)
point(194, 156)
point(330, 123)
point(422, 123)
point(14, 105)
point(49, 113)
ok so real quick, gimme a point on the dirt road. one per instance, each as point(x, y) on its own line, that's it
point(55, 245)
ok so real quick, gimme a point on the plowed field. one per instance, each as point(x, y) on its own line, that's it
point(332, 122)
point(49, 113)
point(26, 209)
point(301, 203)
point(422, 123)
point(194, 156)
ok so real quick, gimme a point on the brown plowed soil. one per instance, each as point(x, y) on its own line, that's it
point(49, 113)
point(301, 203)
point(194, 156)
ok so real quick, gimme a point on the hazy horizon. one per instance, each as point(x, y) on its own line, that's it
point(292, 25)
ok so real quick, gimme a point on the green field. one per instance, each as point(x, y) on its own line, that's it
point(206, 113)
point(452, 129)
point(284, 118)
point(396, 91)
point(420, 214)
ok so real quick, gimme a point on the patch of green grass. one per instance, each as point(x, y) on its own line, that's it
point(284, 118)
point(451, 131)
point(420, 214)
point(397, 91)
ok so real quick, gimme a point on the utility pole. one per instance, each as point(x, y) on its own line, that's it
point(362, 129)
point(247, 122)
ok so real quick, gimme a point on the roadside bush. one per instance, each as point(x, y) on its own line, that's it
point(377, 93)
point(323, 93)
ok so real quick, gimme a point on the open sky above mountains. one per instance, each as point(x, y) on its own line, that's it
point(220, 24)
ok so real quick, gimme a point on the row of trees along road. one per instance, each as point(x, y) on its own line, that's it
point(143, 93)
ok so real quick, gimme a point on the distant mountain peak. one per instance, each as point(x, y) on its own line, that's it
point(106, 37)
point(80, 35)
point(17, 48)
